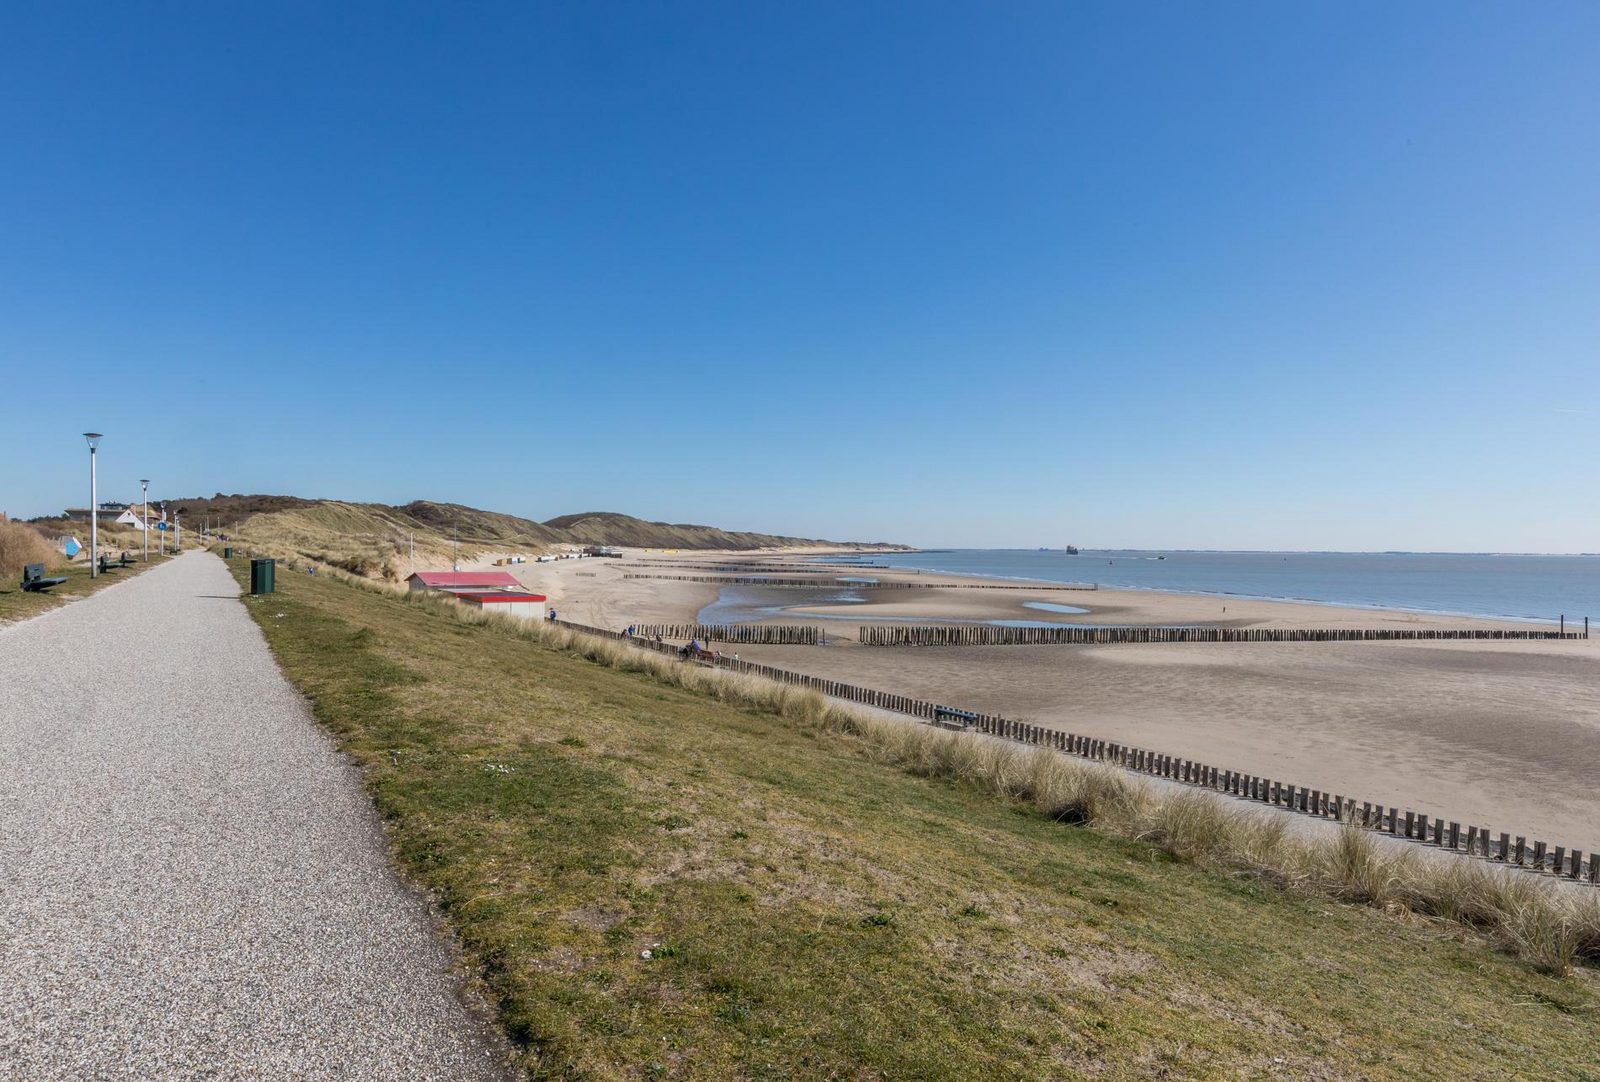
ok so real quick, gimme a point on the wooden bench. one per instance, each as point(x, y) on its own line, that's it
point(33, 579)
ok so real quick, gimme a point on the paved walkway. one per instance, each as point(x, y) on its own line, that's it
point(192, 882)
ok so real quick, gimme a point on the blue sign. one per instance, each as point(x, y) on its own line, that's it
point(161, 525)
point(71, 547)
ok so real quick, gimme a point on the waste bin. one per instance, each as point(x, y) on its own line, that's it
point(227, 553)
point(262, 573)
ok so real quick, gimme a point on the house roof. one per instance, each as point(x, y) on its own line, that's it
point(450, 579)
point(495, 597)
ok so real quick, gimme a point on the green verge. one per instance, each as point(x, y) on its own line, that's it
point(811, 912)
point(19, 604)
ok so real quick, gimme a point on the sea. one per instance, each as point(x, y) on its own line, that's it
point(1518, 587)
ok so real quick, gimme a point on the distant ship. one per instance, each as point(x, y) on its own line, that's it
point(1071, 550)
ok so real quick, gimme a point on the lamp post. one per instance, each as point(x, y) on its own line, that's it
point(144, 483)
point(94, 509)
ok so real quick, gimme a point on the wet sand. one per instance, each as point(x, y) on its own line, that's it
point(1498, 734)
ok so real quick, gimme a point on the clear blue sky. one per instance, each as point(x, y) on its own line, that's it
point(1172, 275)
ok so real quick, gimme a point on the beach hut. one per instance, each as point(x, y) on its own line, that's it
point(473, 581)
point(512, 603)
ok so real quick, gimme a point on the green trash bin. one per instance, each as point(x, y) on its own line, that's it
point(227, 553)
point(262, 573)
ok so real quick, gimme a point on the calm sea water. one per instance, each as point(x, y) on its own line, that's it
point(1521, 587)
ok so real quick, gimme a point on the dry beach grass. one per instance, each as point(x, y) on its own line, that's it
point(20, 545)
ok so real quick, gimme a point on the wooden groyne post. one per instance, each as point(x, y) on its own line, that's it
point(1070, 634)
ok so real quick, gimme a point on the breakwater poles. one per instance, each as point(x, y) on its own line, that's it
point(1472, 840)
point(823, 580)
point(1067, 634)
point(756, 567)
point(753, 634)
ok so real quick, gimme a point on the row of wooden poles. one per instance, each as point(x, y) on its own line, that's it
point(758, 634)
point(822, 580)
point(987, 635)
point(754, 566)
point(1479, 841)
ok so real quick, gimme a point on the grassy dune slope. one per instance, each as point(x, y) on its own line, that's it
point(376, 540)
point(608, 528)
point(812, 912)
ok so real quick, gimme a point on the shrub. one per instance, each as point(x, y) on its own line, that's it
point(20, 545)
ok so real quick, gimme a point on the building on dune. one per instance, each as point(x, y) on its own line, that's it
point(490, 591)
point(451, 581)
point(521, 605)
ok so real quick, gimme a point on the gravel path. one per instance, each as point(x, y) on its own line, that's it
point(192, 882)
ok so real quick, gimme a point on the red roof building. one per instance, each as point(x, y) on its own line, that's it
point(523, 606)
point(463, 580)
point(493, 597)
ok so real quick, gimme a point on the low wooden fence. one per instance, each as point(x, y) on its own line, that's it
point(755, 634)
point(987, 635)
point(825, 580)
point(1474, 840)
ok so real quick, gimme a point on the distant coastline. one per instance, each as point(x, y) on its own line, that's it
point(1526, 587)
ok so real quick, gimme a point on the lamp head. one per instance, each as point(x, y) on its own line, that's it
point(93, 438)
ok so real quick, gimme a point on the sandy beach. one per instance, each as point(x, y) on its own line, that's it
point(1502, 734)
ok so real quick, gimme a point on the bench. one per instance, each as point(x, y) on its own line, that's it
point(105, 564)
point(950, 718)
point(33, 579)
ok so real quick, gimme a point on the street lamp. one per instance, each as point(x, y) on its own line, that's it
point(144, 483)
point(94, 509)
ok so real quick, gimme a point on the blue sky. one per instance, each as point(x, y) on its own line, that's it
point(1259, 275)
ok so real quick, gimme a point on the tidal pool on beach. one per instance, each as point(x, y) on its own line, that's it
point(1051, 606)
point(742, 604)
